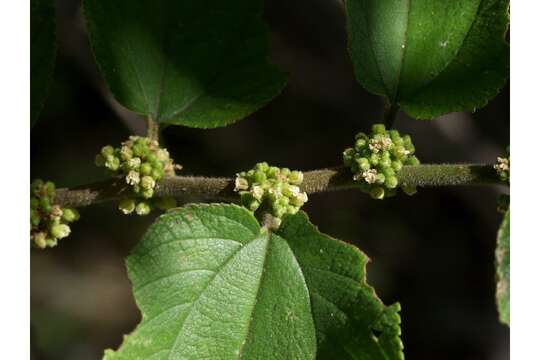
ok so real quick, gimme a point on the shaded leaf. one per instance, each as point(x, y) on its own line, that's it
point(212, 284)
point(42, 54)
point(195, 63)
point(430, 56)
point(502, 255)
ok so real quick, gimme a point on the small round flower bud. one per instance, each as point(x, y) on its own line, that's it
point(377, 192)
point(273, 172)
point(296, 177)
point(145, 169)
point(259, 177)
point(107, 151)
point(142, 208)
point(126, 153)
point(148, 182)
point(112, 163)
point(378, 129)
point(147, 193)
point(413, 160)
point(300, 199)
point(391, 182)
point(70, 215)
point(262, 166)
point(39, 239)
point(60, 231)
point(127, 206)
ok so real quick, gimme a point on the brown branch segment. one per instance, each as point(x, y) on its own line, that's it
point(315, 181)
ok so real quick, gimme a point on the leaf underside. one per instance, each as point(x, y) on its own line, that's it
point(200, 63)
point(430, 56)
point(42, 54)
point(212, 284)
point(502, 255)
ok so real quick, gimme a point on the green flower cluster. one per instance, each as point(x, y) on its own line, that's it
point(276, 189)
point(48, 222)
point(503, 168)
point(142, 163)
point(376, 159)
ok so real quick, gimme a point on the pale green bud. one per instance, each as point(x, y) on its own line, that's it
point(126, 153)
point(148, 182)
point(299, 199)
point(107, 151)
point(377, 192)
point(70, 215)
point(378, 129)
point(145, 169)
point(60, 231)
point(127, 206)
point(142, 208)
point(296, 177)
point(39, 239)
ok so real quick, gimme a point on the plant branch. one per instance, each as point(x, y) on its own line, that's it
point(152, 129)
point(315, 181)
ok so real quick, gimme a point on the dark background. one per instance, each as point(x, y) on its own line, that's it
point(433, 252)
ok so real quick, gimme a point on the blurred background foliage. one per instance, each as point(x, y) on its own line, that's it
point(433, 252)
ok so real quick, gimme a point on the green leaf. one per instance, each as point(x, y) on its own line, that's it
point(201, 64)
point(212, 284)
point(430, 56)
point(502, 255)
point(351, 322)
point(42, 54)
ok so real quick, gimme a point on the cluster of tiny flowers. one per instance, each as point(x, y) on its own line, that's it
point(503, 168)
point(48, 222)
point(376, 159)
point(276, 189)
point(142, 163)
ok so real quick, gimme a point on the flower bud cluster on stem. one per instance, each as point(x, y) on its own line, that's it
point(142, 163)
point(277, 189)
point(49, 222)
point(377, 158)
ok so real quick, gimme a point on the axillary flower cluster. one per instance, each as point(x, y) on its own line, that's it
point(142, 163)
point(277, 190)
point(48, 221)
point(376, 159)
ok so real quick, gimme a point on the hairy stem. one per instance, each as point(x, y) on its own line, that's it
point(152, 129)
point(315, 181)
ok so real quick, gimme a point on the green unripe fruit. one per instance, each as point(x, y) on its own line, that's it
point(374, 159)
point(363, 164)
point(262, 166)
point(272, 172)
point(380, 178)
point(157, 174)
point(49, 188)
point(413, 160)
point(360, 143)
point(377, 192)
point(145, 168)
point(397, 165)
point(127, 206)
point(259, 177)
point(45, 205)
point(147, 193)
point(391, 182)
point(70, 215)
point(34, 218)
point(385, 162)
point(60, 231)
point(107, 151)
point(378, 129)
point(142, 208)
